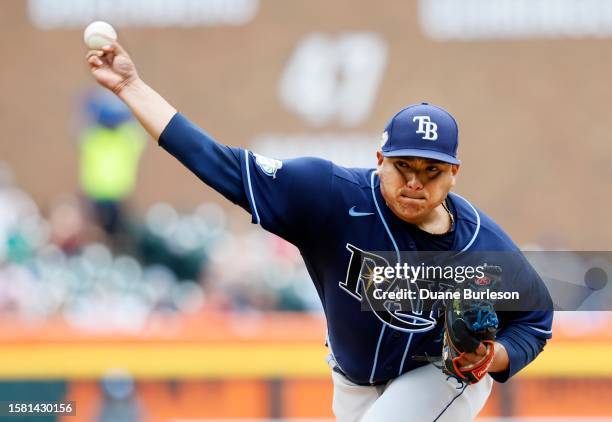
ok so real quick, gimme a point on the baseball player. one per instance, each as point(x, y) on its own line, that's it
point(335, 215)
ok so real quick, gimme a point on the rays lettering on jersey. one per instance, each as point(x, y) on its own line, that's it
point(406, 315)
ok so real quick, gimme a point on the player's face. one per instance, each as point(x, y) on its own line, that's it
point(414, 187)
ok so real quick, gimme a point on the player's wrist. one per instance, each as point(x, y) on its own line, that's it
point(500, 361)
point(129, 85)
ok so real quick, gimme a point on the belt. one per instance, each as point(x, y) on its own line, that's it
point(331, 361)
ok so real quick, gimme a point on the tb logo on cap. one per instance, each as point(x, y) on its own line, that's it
point(426, 127)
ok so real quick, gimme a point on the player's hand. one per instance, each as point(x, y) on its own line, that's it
point(470, 360)
point(112, 67)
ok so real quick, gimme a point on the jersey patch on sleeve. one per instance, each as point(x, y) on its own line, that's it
point(269, 166)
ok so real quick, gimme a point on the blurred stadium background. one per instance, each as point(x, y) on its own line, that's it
point(162, 302)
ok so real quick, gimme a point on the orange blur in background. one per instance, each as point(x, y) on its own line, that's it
point(273, 366)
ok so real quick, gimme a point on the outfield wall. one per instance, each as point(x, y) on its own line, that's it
point(214, 366)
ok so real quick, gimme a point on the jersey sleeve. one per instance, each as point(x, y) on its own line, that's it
point(215, 164)
point(290, 198)
point(524, 333)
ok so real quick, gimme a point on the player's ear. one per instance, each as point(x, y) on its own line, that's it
point(454, 172)
point(379, 158)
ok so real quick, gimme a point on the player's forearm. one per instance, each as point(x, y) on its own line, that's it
point(500, 361)
point(151, 109)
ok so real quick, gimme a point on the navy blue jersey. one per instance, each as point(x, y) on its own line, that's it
point(332, 214)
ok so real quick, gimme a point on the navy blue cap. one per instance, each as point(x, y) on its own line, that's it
point(422, 130)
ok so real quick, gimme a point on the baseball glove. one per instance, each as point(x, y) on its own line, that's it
point(467, 323)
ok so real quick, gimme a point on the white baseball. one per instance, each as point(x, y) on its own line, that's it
point(98, 34)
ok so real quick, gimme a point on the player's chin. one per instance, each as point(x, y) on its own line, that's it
point(411, 210)
point(412, 203)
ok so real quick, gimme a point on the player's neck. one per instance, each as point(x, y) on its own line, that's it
point(439, 221)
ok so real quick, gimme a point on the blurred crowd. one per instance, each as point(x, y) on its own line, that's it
point(65, 263)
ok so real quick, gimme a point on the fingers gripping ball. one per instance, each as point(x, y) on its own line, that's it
point(468, 323)
point(98, 34)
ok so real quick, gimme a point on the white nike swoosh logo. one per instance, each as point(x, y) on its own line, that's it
point(354, 213)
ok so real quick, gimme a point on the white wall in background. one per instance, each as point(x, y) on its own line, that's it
point(467, 20)
point(51, 14)
point(334, 79)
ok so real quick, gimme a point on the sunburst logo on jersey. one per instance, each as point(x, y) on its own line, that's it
point(269, 166)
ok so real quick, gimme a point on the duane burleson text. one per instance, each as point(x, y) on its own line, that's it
point(424, 294)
